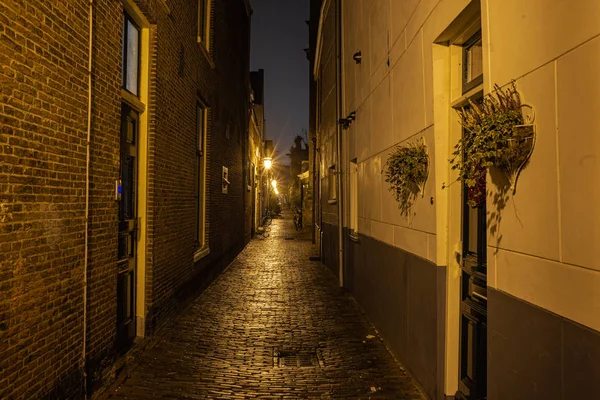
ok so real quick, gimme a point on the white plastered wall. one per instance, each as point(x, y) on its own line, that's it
point(546, 249)
point(387, 90)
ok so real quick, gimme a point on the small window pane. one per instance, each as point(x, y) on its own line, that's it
point(127, 180)
point(473, 224)
point(133, 58)
point(474, 59)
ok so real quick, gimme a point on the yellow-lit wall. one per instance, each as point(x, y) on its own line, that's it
point(390, 90)
point(547, 248)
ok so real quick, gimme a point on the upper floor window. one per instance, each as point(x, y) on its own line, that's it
point(472, 62)
point(131, 56)
point(204, 23)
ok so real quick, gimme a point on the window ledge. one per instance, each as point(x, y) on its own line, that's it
point(132, 100)
point(353, 236)
point(472, 94)
point(206, 53)
point(201, 253)
point(332, 201)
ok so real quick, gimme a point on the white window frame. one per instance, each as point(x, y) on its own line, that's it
point(204, 34)
point(202, 115)
point(332, 180)
point(353, 198)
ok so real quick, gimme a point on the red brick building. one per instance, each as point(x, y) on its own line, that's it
point(122, 165)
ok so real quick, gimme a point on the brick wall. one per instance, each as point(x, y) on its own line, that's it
point(43, 122)
point(224, 89)
point(104, 170)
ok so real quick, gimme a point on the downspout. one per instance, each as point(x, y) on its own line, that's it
point(339, 170)
point(87, 196)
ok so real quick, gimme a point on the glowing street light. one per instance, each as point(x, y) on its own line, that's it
point(274, 184)
point(267, 162)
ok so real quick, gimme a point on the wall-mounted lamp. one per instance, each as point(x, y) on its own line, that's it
point(357, 57)
point(346, 122)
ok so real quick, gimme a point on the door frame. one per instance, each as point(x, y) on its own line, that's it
point(447, 59)
point(139, 104)
point(128, 228)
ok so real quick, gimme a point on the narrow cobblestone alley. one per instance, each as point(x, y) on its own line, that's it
point(274, 325)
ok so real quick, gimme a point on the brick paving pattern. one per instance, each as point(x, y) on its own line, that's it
point(274, 326)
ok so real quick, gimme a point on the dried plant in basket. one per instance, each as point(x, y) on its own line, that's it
point(498, 132)
point(406, 171)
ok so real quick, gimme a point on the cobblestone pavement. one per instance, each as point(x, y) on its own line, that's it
point(274, 326)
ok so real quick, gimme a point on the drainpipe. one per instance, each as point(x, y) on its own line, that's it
point(339, 170)
point(87, 196)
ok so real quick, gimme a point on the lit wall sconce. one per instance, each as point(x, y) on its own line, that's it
point(357, 57)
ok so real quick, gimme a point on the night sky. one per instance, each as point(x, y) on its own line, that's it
point(279, 37)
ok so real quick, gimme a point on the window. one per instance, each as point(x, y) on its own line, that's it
point(200, 192)
point(472, 62)
point(353, 197)
point(131, 56)
point(204, 7)
point(332, 180)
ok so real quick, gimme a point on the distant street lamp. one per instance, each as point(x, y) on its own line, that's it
point(274, 184)
point(267, 162)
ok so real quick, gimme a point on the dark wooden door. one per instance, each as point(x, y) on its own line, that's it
point(473, 306)
point(126, 276)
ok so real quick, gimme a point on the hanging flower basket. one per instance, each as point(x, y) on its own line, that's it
point(406, 170)
point(498, 132)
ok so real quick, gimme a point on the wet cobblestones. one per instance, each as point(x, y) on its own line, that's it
point(274, 326)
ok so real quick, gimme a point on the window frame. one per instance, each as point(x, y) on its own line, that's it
point(332, 183)
point(477, 261)
point(129, 19)
point(468, 85)
point(353, 188)
point(200, 243)
point(203, 35)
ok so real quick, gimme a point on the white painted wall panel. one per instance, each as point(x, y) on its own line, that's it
point(566, 290)
point(408, 111)
point(579, 153)
point(528, 222)
point(526, 34)
point(381, 133)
